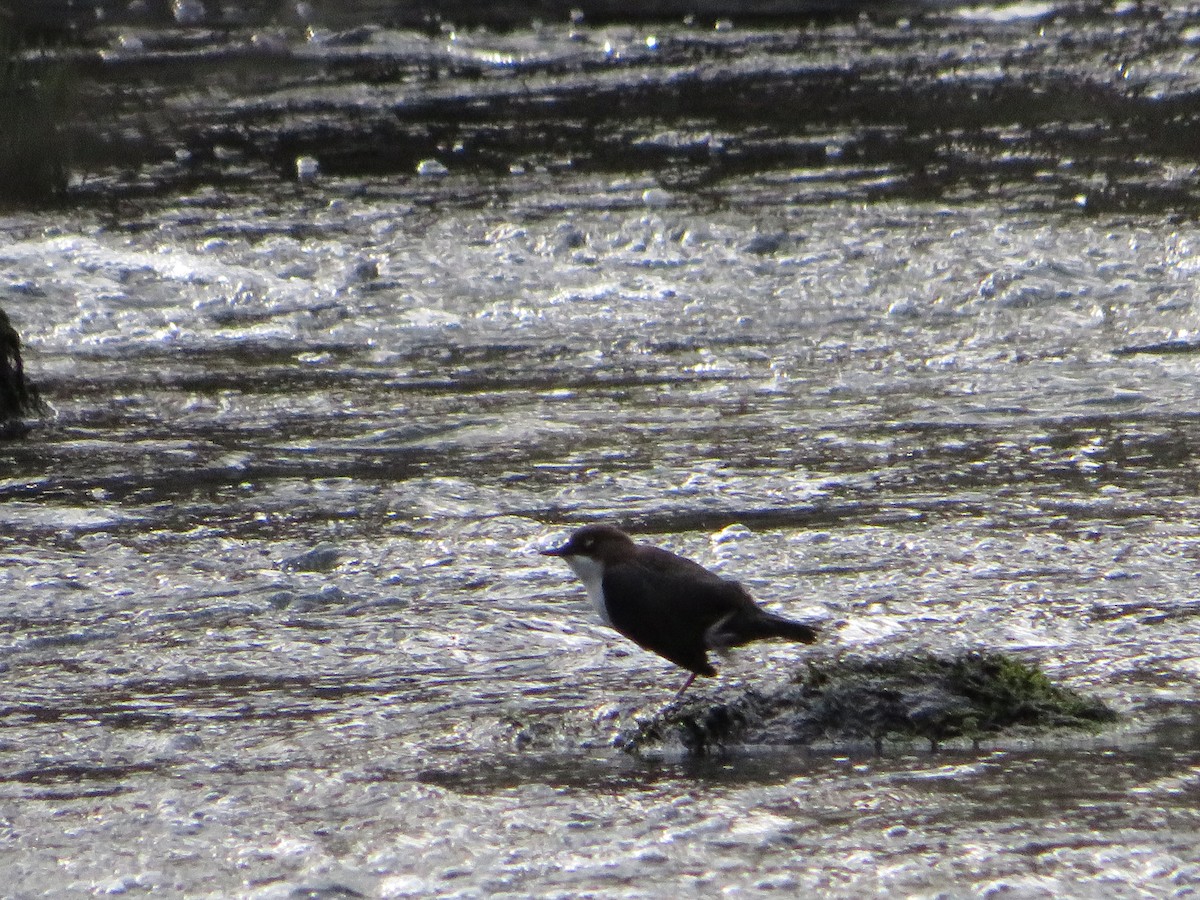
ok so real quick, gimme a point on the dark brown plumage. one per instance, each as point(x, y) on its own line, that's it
point(668, 604)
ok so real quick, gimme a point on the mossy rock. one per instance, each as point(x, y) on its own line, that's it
point(931, 698)
point(17, 396)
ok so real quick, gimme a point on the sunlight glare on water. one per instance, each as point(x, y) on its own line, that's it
point(272, 614)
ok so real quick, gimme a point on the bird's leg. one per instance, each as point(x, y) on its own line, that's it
point(687, 684)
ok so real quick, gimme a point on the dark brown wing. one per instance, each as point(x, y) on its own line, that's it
point(667, 563)
point(670, 615)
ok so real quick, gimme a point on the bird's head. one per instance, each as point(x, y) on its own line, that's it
point(602, 543)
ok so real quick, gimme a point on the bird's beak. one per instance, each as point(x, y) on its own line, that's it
point(554, 551)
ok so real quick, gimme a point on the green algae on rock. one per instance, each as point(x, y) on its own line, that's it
point(973, 695)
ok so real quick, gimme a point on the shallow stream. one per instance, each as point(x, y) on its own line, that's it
point(272, 618)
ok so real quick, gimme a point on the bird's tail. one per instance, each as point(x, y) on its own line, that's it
point(733, 632)
point(788, 629)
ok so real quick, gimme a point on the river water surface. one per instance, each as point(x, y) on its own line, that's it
point(273, 621)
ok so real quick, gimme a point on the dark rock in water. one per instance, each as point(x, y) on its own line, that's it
point(325, 892)
point(1161, 348)
point(17, 396)
point(765, 244)
point(899, 698)
point(321, 558)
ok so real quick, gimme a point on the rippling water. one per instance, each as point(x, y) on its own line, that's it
point(272, 616)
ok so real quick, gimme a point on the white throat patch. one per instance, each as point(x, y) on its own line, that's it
point(591, 573)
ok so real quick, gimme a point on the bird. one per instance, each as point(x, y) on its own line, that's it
point(668, 604)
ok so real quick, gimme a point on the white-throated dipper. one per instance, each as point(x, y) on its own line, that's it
point(667, 604)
